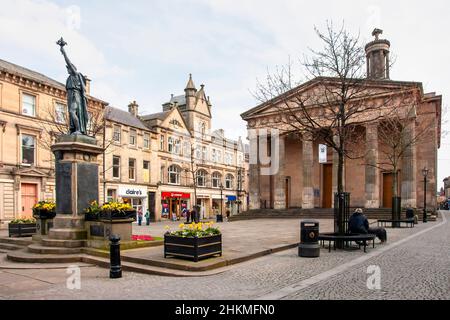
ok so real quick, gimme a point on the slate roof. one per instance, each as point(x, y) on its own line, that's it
point(124, 117)
point(159, 116)
point(33, 75)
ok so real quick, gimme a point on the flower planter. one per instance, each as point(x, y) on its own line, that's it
point(118, 215)
point(43, 214)
point(91, 217)
point(192, 248)
point(22, 229)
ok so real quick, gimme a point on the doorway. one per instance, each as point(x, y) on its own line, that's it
point(29, 198)
point(287, 192)
point(327, 185)
point(388, 181)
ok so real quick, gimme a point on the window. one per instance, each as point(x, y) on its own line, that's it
point(228, 158)
point(219, 156)
point(170, 144)
point(186, 150)
point(60, 112)
point(203, 129)
point(204, 153)
point(201, 178)
point(28, 146)
point(146, 171)
point(161, 143)
point(146, 141)
point(117, 133)
point(216, 180)
point(174, 174)
point(132, 137)
point(111, 195)
point(240, 160)
point(198, 152)
point(132, 169)
point(214, 155)
point(116, 167)
point(177, 147)
point(229, 181)
point(28, 104)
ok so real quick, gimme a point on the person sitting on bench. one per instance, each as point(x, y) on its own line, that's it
point(358, 223)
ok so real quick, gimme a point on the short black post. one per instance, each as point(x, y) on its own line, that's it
point(115, 268)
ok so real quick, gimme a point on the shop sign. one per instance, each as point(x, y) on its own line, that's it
point(132, 192)
point(179, 195)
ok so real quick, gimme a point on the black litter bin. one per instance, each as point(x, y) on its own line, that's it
point(219, 218)
point(309, 239)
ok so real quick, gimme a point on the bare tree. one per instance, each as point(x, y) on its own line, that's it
point(337, 99)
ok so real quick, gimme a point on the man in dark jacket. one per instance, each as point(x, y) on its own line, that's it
point(358, 223)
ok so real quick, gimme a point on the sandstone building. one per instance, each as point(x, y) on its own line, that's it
point(303, 182)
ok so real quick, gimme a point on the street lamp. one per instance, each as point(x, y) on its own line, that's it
point(425, 174)
point(219, 218)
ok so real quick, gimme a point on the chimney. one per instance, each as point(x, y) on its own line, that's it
point(133, 108)
point(377, 56)
point(88, 85)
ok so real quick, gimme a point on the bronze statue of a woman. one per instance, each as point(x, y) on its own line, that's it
point(76, 96)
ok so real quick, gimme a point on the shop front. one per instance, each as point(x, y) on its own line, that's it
point(232, 204)
point(203, 201)
point(218, 204)
point(136, 196)
point(174, 204)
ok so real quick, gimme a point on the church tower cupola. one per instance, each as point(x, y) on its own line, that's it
point(377, 55)
point(190, 87)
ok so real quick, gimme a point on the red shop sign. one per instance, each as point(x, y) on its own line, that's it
point(181, 195)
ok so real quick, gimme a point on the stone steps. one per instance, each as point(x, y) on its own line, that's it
point(29, 257)
point(67, 234)
point(40, 249)
point(10, 246)
point(63, 243)
point(17, 241)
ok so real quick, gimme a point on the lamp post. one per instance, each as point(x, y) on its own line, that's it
point(221, 201)
point(425, 174)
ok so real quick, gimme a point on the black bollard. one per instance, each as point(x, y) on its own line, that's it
point(114, 251)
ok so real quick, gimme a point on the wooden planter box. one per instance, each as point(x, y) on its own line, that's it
point(91, 217)
point(117, 215)
point(22, 229)
point(43, 214)
point(192, 248)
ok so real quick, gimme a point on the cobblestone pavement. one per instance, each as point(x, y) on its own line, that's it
point(417, 268)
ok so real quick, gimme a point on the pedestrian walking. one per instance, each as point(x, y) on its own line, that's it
point(140, 216)
point(147, 217)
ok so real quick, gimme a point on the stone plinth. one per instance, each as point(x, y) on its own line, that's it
point(98, 232)
point(77, 184)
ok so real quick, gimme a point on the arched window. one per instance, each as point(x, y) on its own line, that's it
point(201, 178)
point(174, 174)
point(216, 179)
point(229, 181)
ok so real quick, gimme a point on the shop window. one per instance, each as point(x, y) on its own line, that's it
point(132, 169)
point(111, 195)
point(116, 167)
point(28, 149)
point(174, 174)
point(28, 104)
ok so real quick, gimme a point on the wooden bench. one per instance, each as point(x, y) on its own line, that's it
point(409, 222)
point(346, 238)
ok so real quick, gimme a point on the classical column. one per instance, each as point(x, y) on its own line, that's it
point(254, 173)
point(307, 160)
point(280, 177)
point(371, 171)
point(408, 173)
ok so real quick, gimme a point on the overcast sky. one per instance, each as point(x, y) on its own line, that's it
point(144, 50)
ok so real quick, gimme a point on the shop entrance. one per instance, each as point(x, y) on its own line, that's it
point(136, 203)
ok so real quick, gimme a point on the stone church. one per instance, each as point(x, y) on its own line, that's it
point(302, 181)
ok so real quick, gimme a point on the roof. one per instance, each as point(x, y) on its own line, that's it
point(16, 69)
point(124, 117)
point(158, 116)
point(190, 84)
point(303, 86)
point(36, 76)
point(179, 100)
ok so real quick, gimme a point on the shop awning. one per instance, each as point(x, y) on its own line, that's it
point(178, 195)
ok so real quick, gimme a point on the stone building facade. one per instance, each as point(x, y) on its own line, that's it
point(302, 181)
point(138, 150)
